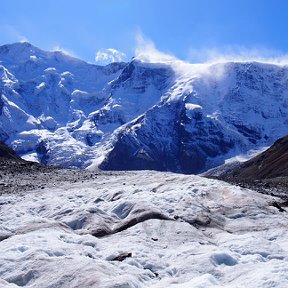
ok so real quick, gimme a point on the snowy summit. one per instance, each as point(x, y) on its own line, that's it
point(169, 115)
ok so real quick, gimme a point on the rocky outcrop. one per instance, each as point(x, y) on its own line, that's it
point(266, 173)
point(7, 153)
point(270, 164)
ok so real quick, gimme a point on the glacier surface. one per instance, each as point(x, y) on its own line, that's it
point(142, 229)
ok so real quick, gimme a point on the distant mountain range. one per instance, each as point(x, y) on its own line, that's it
point(59, 110)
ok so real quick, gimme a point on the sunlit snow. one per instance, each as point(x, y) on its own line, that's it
point(64, 105)
point(182, 231)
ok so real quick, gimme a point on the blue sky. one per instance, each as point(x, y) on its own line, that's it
point(189, 29)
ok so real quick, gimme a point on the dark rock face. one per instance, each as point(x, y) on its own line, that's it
point(269, 164)
point(149, 146)
point(3, 135)
point(250, 133)
point(127, 72)
point(200, 139)
point(42, 152)
point(172, 140)
point(140, 77)
point(266, 173)
point(1, 104)
point(122, 257)
point(8, 153)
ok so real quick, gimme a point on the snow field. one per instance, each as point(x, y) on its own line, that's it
point(182, 231)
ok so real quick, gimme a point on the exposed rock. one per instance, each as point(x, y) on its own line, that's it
point(267, 172)
point(122, 257)
point(269, 164)
point(8, 153)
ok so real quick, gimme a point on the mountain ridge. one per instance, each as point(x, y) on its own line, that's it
point(266, 172)
point(7, 153)
point(171, 116)
point(271, 163)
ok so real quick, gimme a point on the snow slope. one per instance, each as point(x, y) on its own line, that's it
point(181, 231)
point(211, 113)
point(173, 116)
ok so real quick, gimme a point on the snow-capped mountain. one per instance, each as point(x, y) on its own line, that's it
point(165, 116)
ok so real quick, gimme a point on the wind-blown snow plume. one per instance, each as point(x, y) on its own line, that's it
point(110, 55)
point(146, 51)
point(236, 53)
point(12, 33)
point(63, 50)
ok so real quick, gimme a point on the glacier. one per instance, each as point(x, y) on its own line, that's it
point(137, 229)
point(167, 116)
point(141, 229)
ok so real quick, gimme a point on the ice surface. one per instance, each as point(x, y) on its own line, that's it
point(182, 231)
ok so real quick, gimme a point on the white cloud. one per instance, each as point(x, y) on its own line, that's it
point(147, 52)
point(110, 55)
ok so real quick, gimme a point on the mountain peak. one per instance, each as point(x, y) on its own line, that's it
point(24, 51)
point(19, 51)
point(148, 112)
point(18, 46)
